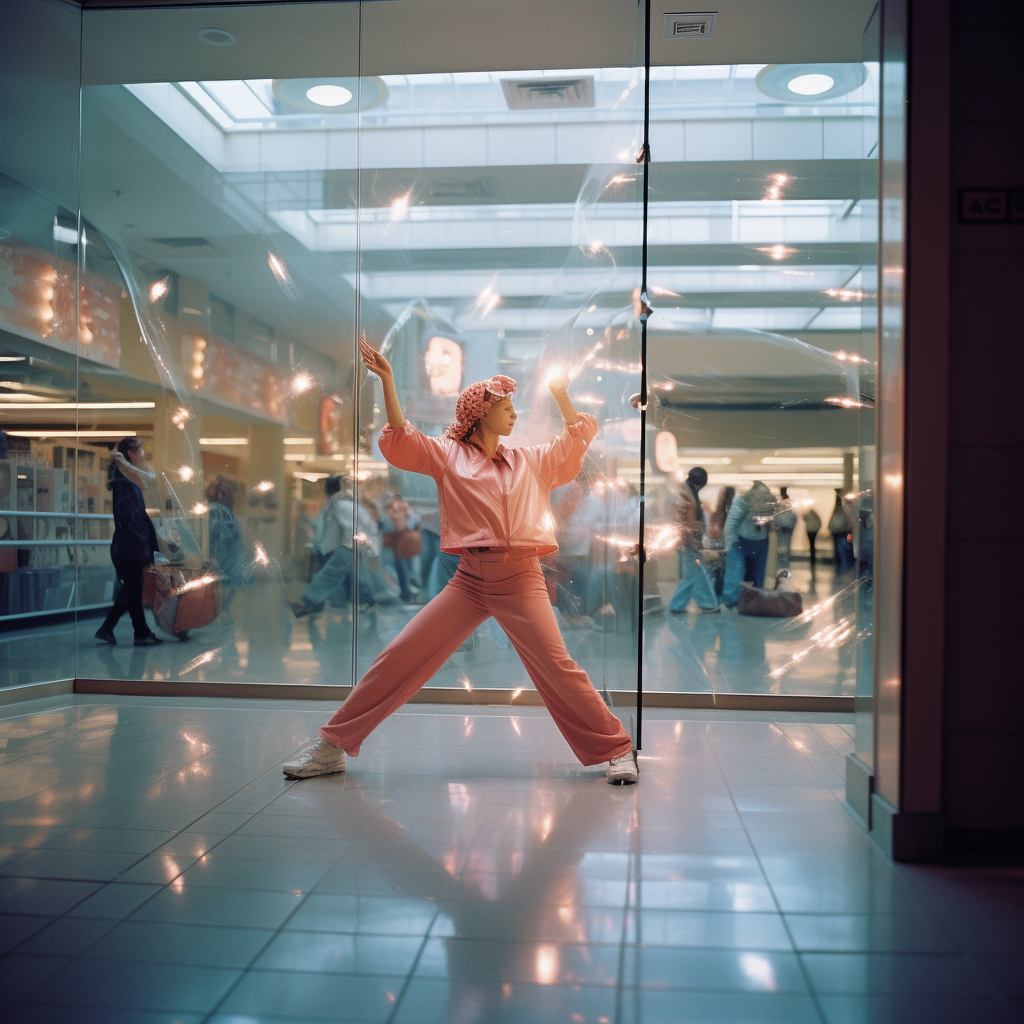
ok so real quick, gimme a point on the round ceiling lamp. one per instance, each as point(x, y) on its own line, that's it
point(215, 37)
point(330, 95)
point(800, 83)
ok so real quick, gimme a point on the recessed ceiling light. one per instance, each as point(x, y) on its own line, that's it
point(215, 37)
point(811, 85)
point(328, 95)
point(789, 83)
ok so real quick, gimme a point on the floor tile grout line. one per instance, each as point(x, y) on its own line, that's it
point(785, 924)
point(183, 831)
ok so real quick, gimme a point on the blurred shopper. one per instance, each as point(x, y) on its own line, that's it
point(785, 524)
point(716, 536)
point(812, 523)
point(430, 534)
point(401, 534)
point(227, 550)
point(332, 485)
point(569, 507)
point(496, 513)
point(746, 541)
point(842, 543)
point(694, 580)
point(134, 542)
point(334, 581)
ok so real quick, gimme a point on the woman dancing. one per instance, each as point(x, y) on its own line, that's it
point(495, 515)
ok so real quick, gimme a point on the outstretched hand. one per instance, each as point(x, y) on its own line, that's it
point(374, 361)
point(558, 380)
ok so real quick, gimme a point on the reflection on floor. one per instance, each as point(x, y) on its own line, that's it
point(724, 652)
point(155, 866)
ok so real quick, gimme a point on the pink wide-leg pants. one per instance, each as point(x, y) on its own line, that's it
point(513, 592)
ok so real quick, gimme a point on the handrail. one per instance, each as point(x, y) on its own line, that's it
point(18, 513)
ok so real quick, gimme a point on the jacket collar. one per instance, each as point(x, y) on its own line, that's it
point(501, 450)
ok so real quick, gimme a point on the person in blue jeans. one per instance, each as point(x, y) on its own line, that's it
point(746, 541)
point(694, 581)
point(337, 549)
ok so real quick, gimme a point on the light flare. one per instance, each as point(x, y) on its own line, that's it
point(158, 289)
point(203, 659)
point(400, 208)
point(199, 509)
point(847, 403)
point(777, 252)
point(264, 486)
point(185, 473)
point(259, 554)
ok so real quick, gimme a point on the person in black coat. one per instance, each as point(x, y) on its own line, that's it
point(133, 543)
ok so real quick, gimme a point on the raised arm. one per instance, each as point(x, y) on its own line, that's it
point(142, 477)
point(558, 385)
point(377, 364)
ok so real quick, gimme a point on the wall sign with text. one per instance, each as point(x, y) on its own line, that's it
point(990, 206)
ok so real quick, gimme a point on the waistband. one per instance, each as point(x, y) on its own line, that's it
point(499, 554)
point(496, 564)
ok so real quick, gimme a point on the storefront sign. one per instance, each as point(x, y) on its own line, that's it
point(38, 301)
point(991, 206)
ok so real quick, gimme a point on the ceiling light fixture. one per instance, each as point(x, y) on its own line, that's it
point(215, 37)
point(798, 83)
point(328, 95)
point(72, 433)
point(811, 85)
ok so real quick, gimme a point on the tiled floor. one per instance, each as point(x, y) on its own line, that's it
point(724, 653)
point(155, 867)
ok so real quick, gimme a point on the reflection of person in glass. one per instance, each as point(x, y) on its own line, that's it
point(337, 546)
point(694, 580)
point(134, 540)
point(746, 541)
point(495, 514)
point(226, 548)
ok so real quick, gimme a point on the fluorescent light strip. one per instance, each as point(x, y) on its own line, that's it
point(13, 359)
point(21, 404)
point(799, 460)
point(72, 433)
point(223, 440)
point(298, 440)
point(296, 457)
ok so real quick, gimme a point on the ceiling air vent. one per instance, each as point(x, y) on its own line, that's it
point(184, 242)
point(690, 26)
point(548, 93)
point(457, 189)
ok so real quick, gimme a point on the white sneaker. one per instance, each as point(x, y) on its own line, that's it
point(622, 771)
point(318, 758)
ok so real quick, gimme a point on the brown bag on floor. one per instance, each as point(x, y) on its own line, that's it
point(183, 600)
point(776, 603)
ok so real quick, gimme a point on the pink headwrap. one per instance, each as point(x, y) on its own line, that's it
point(474, 403)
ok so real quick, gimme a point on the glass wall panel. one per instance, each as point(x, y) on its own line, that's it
point(47, 551)
point(206, 163)
point(763, 233)
point(499, 233)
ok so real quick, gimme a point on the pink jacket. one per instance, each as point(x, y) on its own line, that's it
point(502, 502)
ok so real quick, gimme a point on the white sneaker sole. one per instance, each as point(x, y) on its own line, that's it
point(625, 777)
point(309, 770)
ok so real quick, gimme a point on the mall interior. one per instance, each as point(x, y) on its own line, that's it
point(775, 249)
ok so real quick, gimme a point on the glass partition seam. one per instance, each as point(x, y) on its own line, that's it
point(356, 335)
point(78, 338)
point(645, 156)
